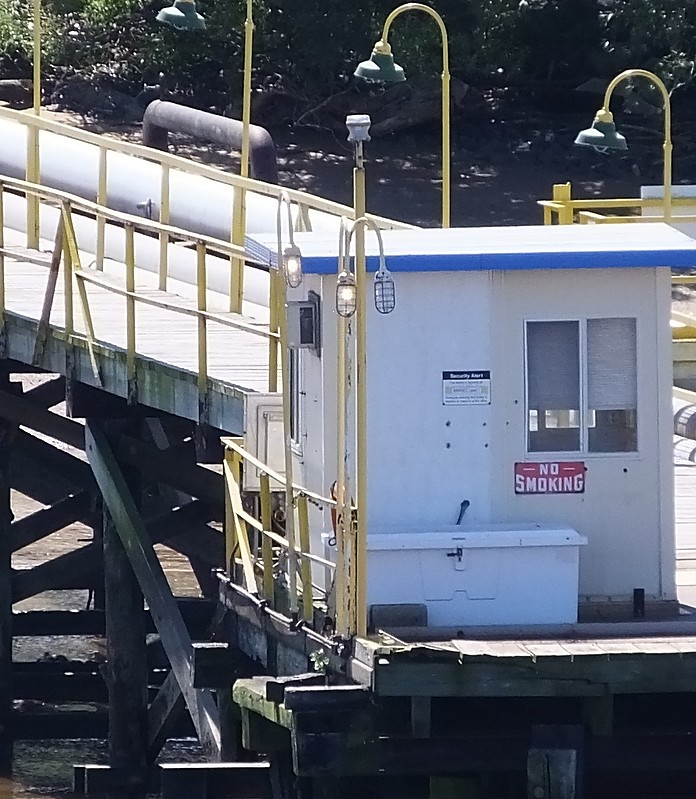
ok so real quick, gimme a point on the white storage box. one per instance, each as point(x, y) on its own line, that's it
point(479, 574)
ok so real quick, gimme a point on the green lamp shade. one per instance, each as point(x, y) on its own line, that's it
point(601, 136)
point(380, 69)
point(182, 15)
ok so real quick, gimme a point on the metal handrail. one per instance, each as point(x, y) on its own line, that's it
point(66, 241)
point(237, 541)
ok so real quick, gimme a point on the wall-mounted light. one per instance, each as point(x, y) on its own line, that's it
point(290, 258)
point(292, 266)
point(346, 294)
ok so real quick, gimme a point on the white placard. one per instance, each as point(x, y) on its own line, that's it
point(466, 388)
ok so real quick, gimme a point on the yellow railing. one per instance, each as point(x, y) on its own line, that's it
point(255, 559)
point(67, 251)
point(563, 209)
point(168, 163)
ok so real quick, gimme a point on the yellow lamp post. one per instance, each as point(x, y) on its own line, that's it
point(183, 16)
point(603, 136)
point(289, 262)
point(381, 68)
point(32, 171)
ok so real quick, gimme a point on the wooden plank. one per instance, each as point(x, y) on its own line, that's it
point(43, 522)
point(126, 651)
point(76, 569)
point(177, 472)
point(163, 714)
point(44, 319)
point(170, 625)
point(22, 412)
point(48, 393)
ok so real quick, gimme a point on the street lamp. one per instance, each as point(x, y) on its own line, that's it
point(182, 15)
point(381, 68)
point(351, 541)
point(289, 264)
point(603, 136)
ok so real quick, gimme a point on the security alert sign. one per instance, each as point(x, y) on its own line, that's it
point(564, 477)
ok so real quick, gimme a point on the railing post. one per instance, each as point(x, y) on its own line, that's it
point(101, 200)
point(131, 368)
point(164, 219)
point(231, 543)
point(68, 243)
point(32, 174)
point(202, 291)
point(305, 565)
point(266, 545)
point(274, 327)
point(562, 194)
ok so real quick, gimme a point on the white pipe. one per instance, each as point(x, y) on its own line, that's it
point(197, 204)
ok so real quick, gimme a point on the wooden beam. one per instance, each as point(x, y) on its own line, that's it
point(126, 651)
point(44, 319)
point(22, 412)
point(76, 569)
point(48, 457)
point(177, 472)
point(170, 625)
point(163, 714)
point(32, 528)
point(47, 393)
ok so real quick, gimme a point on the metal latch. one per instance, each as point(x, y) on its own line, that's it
point(458, 554)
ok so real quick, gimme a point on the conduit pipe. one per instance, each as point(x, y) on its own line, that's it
point(162, 117)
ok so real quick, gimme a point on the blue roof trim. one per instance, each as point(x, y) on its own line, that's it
point(516, 261)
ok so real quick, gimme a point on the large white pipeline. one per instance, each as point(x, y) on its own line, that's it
point(196, 203)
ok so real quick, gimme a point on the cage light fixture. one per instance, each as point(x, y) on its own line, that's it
point(385, 292)
point(346, 294)
point(292, 266)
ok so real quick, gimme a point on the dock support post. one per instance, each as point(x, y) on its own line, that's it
point(6, 433)
point(126, 658)
point(554, 763)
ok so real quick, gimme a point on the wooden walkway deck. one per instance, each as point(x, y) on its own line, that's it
point(166, 341)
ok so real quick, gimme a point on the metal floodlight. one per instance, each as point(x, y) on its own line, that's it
point(346, 294)
point(602, 136)
point(358, 127)
point(292, 266)
point(182, 15)
point(380, 67)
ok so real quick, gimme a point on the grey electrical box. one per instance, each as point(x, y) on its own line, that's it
point(303, 323)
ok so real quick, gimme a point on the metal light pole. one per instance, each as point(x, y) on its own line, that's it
point(33, 163)
point(183, 16)
point(289, 273)
point(603, 135)
point(381, 68)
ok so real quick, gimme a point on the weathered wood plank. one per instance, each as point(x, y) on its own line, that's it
point(163, 713)
point(170, 625)
point(32, 528)
point(7, 431)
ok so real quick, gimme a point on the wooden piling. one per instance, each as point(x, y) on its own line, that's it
point(126, 658)
point(7, 430)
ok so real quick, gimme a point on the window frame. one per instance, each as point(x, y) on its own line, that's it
point(583, 451)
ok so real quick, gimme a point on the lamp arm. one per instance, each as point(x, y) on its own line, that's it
point(364, 221)
point(428, 10)
point(643, 73)
point(667, 108)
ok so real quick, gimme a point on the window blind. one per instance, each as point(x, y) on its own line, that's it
point(611, 364)
point(553, 365)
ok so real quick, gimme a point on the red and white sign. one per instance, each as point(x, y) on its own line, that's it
point(565, 477)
